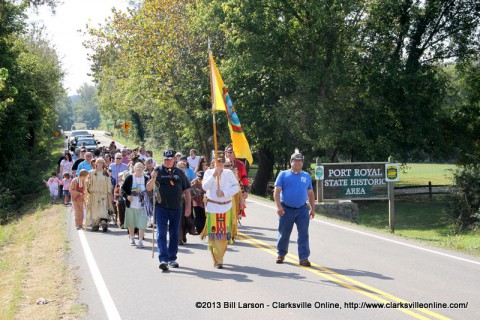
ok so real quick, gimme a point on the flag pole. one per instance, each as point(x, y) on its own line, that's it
point(212, 95)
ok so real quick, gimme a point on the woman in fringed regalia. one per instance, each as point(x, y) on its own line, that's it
point(99, 195)
point(220, 185)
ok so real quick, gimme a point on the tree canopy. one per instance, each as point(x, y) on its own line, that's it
point(30, 87)
point(343, 80)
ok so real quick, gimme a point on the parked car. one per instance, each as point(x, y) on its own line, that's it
point(90, 143)
point(73, 134)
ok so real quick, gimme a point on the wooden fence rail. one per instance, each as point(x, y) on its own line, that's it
point(429, 189)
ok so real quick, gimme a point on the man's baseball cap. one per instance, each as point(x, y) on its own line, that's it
point(168, 154)
point(296, 156)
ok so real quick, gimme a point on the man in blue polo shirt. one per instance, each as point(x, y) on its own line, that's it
point(292, 190)
point(86, 164)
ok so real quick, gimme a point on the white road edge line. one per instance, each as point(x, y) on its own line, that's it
point(382, 238)
point(108, 304)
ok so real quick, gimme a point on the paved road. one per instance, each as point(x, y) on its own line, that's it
point(353, 269)
point(350, 266)
point(100, 136)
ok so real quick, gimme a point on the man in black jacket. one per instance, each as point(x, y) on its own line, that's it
point(173, 184)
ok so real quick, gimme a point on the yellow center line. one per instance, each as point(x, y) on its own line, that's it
point(344, 281)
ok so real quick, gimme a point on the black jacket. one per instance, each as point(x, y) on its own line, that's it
point(127, 188)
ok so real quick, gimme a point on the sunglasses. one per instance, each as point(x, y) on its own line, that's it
point(118, 158)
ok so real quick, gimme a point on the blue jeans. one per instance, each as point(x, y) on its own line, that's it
point(301, 218)
point(167, 219)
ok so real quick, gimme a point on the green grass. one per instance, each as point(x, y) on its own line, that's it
point(423, 220)
point(422, 173)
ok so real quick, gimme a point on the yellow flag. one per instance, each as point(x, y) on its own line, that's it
point(217, 85)
point(221, 101)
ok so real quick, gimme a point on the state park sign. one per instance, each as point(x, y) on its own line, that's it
point(354, 181)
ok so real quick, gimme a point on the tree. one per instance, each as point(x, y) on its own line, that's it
point(287, 63)
point(30, 86)
point(402, 80)
point(64, 109)
point(344, 80)
point(152, 65)
point(85, 107)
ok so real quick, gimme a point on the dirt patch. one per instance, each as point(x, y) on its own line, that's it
point(36, 281)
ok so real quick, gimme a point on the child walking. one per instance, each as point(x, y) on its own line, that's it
point(66, 188)
point(52, 185)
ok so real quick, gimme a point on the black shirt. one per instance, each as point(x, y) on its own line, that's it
point(172, 184)
point(76, 163)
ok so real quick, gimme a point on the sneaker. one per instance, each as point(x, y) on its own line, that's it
point(280, 259)
point(140, 244)
point(132, 241)
point(173, 264)
point(163, 266)
point(219, 266)
point(305, 263)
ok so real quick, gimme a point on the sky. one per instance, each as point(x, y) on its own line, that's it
point(62, 30)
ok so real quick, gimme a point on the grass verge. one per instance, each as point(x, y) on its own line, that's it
point(421, 219)
point(33, 266)
point(417, 218)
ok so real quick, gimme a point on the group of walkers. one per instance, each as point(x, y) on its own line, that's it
point(211, 194)
point(179, 196)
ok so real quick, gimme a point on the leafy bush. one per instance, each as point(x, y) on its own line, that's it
point(465, 197)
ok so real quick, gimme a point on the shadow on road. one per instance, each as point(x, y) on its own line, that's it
point(359, 273)
point(236, 273)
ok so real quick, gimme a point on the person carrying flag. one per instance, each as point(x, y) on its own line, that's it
point(220, 185)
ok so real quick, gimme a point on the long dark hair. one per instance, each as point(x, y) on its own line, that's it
point(68, 156)
point(200, 162)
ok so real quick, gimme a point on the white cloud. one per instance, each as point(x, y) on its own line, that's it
point(62, 29)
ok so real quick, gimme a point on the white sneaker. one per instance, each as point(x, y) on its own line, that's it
point(132, 241)
point(140, 244)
